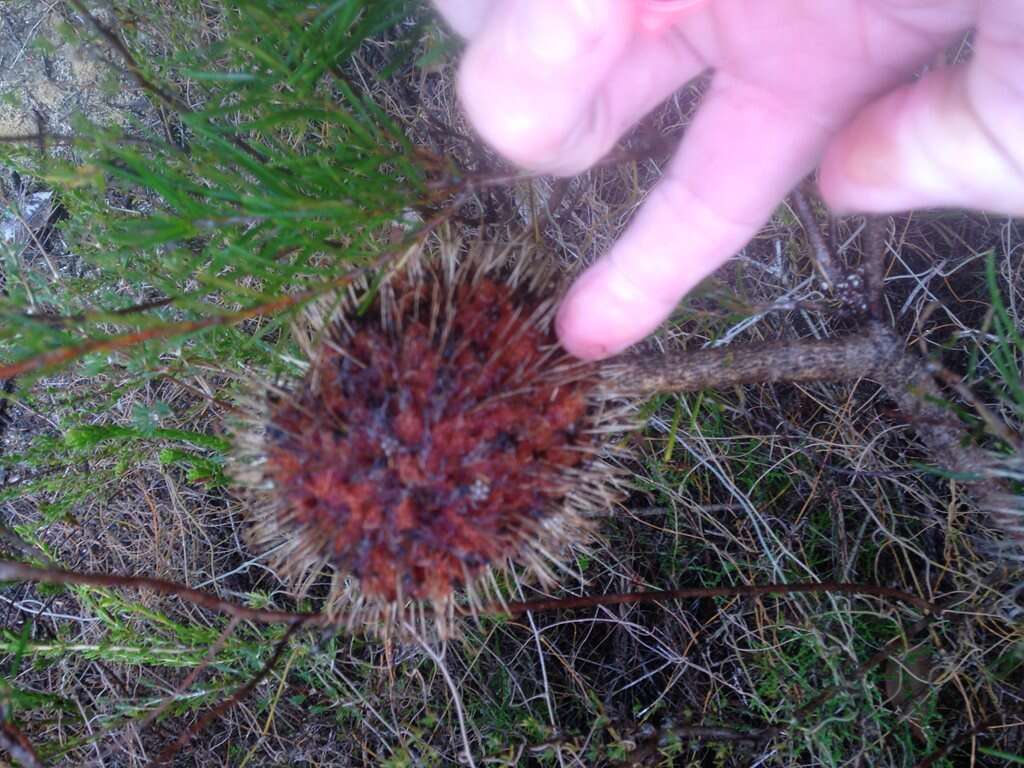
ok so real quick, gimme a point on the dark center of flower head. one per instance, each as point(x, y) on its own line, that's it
point(421, 451)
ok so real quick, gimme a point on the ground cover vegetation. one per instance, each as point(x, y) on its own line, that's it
point(815, 558)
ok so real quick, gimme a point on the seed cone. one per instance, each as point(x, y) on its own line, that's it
point(436, 437)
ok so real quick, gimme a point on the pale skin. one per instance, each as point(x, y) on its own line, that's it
point(797, 85)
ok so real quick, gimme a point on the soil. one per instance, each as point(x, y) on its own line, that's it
point(47, 78)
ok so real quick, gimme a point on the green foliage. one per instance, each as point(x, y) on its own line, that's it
point(1007, 349)
point(276, 179)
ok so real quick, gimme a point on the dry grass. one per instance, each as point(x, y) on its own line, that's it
point(761, 484)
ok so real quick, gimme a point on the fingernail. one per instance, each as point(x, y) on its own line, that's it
point(656, 15)
point(577, 343)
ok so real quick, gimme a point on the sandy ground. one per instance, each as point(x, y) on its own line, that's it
point(46, 79)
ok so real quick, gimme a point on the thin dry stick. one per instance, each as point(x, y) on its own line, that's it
point(815, 237)
point(752, 590)
point(134, 70)
point(11, 571)
point(646, 752)
point(17, 745)
point(200, 725)
point(941, 752)
point(883, 654)
point(81, 317)
point(44, 138)
point(37, 138)
point(995, 425)
point(453, 690)
point(711, 733)
point(875, 237)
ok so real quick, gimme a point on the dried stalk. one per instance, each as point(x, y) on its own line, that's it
point(842, 359)
point(10, 571)
point(17, 745)
point(877, 354)
point(823, 255)
point(751, 590)
point(876, 231)
point(239, 695)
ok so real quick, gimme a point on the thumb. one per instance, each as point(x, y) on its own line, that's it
point(955, 138)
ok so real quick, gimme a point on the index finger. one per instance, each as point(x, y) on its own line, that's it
point(743, 153)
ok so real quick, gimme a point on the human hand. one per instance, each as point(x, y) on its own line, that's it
point(553, 84)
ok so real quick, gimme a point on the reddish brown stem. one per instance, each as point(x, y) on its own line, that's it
point(17, 745)
point(751, 590)
point(875, 237)
point(64, 355)
point(10, 571)
point(985, 725)
point(815, 237)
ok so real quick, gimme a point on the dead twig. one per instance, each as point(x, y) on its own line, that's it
point(165, 97)
point(17, 745)
point(712, 733)
point(11, 571)
point(43, 138)
point(823, 255)
point(985, 725)
point(803, 360)
point(886, 652)
point(877, 354)
point(646, 751)
point(875, 236)
point(134, 70)
point(60, 321)
point(746, 590)
point(193, 675)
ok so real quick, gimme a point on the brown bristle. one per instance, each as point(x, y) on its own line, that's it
point(433, 438)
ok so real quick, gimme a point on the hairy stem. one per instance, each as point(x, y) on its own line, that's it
point(843, 359)
point(877, 354)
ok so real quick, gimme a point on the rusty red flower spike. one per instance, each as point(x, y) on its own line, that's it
point(434, 438)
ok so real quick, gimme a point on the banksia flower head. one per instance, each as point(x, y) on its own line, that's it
point(439, 435)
